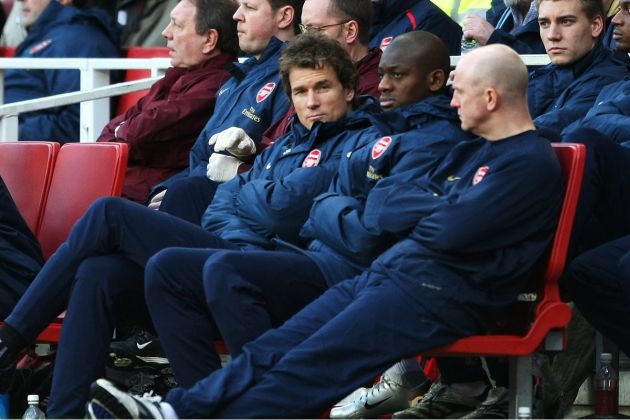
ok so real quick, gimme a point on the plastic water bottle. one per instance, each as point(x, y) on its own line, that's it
point(33, 411)
point(468, 45)
point(606, 389)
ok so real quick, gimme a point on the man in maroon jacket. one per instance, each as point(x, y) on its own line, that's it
point(162, 127)
point(348, 22)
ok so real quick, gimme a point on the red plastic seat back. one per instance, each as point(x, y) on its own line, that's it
point(83, 172)
point(129, 99)
point(572, 157)
point(7, 52)
point(27, 169)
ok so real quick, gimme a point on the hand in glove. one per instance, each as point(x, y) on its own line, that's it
point(235, 141)
point(222, 168)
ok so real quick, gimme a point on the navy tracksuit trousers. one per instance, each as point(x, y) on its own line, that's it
point(189, 197)
point(599, 281)
point(242, 295)
point(75, 277)
point(341, 341)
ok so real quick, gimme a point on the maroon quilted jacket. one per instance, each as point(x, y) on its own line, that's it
point(162, 126)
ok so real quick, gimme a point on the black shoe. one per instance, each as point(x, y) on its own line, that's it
point(140, 350)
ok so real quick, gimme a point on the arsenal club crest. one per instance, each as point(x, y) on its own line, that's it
point(380, 146)
point(481, 172)
point(385, 42)
point(264, 92)
point(312, 159)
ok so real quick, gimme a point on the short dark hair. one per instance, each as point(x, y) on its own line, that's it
point(592, 8)
point(217, 15)
point(297, 7)
point(314, 51)
point(358, 10)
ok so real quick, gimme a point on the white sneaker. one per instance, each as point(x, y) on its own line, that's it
point(387, 396)
point(107, 401)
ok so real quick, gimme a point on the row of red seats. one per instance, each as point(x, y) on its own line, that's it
point(129, 99)
point(53, 186)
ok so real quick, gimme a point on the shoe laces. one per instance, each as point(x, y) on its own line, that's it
point(435, 390)
point(384, 385)
point(151, 397)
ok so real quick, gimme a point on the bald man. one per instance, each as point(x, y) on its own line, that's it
point(463, 258)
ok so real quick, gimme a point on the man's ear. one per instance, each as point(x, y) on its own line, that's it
point(210, 42)
point(352, 34)
point(492, 98)
point(65, 2)
point(285, 16)
point(597, 26)
point(436, 80)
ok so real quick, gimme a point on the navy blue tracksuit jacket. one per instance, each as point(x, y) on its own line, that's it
point(252, 100)
point(251, 210)
point(340, 243)
point(524, 40)
point(557, 96)
point(480, 240)
point(611, 113)
point(59, 32)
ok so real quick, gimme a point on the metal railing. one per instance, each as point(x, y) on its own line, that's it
point(96, 90)
point(93, 96)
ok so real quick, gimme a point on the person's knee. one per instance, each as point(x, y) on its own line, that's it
point(158, 274)
point(105, 204)
point(220, 275)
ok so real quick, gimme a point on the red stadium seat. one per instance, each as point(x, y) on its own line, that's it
point(128, 100)
point(27, 168)
point(7, 52)
point(551, 315)
point(83, 172)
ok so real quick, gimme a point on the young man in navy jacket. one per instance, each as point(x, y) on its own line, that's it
point(473, 230)
point(564, 90)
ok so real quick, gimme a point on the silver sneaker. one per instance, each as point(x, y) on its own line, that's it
point(385, 397)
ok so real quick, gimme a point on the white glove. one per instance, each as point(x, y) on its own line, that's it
point(222, 168)
point(234, 140)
